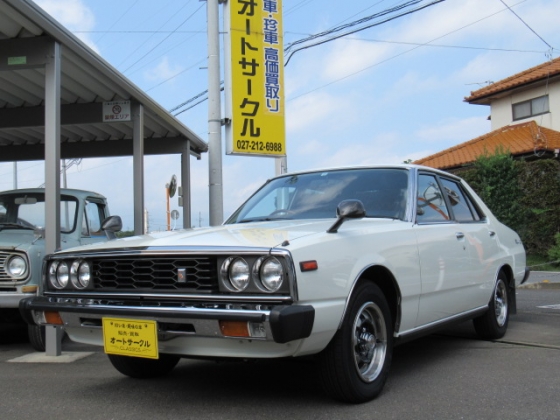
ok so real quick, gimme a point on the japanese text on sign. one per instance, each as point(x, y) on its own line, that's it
point(116, 111)
point(130, 337)
point(257, 97)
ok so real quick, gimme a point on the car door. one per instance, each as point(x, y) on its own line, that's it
point(481, 241)
point(443, 252)
point(95, 211)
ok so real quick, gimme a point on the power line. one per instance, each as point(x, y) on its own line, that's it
point(525, 23)
point(141, 45)
point(334, 30)
point(400, 7)
point(164, 39)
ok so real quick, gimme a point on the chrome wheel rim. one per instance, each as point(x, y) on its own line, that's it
point(369, 341)
point(500, 303)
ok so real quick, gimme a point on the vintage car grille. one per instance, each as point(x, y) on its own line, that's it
point(4, 277)
point(156, 274)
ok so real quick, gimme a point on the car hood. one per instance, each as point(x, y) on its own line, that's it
point(247, 235)
point(17, 239)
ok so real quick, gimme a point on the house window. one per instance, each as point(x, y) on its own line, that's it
point(530, 108)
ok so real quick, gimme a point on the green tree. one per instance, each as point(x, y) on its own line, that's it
point(496, 180)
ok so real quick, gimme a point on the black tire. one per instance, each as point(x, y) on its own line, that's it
point(493, 324)
point(142, 368)
point(355, 364)
point(36, 336)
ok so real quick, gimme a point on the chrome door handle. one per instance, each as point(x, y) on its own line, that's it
point(460, 235)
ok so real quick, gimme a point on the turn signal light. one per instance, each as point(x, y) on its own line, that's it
point(53, 318)
point(234, 329)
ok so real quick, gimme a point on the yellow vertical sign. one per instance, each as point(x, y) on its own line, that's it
point(257, 78)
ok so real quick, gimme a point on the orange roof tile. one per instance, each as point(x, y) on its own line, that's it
point(542, 71)
point(517, 139)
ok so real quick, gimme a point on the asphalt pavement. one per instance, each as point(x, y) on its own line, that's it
point(449, 375)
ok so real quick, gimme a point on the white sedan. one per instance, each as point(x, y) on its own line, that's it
point(342, 264)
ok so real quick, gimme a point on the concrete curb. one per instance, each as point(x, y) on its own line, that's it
point(541, 285)
point(65, 357)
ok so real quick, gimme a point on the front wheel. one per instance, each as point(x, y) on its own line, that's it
point(493, 324)
point(36, 336)
point(355, 364)
point(141, 368)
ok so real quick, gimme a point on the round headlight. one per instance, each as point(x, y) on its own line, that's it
point(271, 274)
point(238, 274)
point(17, 267)
point(80, 274)
point(62, 275)
point(52, 274)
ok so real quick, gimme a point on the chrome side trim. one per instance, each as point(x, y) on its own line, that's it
point(436, 324)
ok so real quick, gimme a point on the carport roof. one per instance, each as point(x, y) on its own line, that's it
point(86, 82)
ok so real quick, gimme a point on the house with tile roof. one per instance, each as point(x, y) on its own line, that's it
point(525, 116)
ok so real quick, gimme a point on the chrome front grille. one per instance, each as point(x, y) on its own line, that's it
point(165, 274)
point(3, 275)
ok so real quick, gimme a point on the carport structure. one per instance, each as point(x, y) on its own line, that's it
point(52, 94)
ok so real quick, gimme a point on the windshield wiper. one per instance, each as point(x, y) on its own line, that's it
point(264, 219)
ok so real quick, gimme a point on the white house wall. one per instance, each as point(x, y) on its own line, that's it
point(501, 109)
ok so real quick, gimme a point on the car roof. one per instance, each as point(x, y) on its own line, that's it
point(407, 166)
point(65, 191)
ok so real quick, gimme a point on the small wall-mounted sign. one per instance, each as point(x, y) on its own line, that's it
point(17, 61)
point(116, 111)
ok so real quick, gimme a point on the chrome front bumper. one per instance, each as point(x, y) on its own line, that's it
point(280, 323)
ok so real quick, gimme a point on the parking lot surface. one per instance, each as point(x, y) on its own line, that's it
point(449, 375)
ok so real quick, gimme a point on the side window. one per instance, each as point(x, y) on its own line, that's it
point(93, 217)
point(3, 213)
point(461, 206)
point(431, 207)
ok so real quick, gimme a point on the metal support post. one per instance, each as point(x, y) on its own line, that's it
point(214, 119)
point(186, 185)
point(138, 167)
point(52, 174)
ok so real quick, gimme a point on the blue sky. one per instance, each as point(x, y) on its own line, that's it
point(383, 95)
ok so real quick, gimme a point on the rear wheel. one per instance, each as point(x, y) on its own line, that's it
point(493, 324)
point(141, 368)
point(355, 364)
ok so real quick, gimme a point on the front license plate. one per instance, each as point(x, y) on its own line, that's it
point(130, 337)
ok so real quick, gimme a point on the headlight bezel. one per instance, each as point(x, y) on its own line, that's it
point(23, 273)
point(257, 283)
point(65, 274)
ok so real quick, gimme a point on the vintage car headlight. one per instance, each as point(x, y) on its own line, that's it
point(58, 274)
point(235, 274)
point(270, 273)
point(80, 274)
point(16, 267)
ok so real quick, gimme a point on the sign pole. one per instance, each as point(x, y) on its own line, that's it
point(214, 119)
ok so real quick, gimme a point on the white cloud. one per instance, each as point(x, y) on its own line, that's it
point(454, 130)
point(349, 55)
point(74, 15)
point(163, 71)
point(309, 109)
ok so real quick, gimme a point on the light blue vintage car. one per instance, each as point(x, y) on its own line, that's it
point(22, 243)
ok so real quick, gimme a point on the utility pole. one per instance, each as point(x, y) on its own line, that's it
point(214, 117)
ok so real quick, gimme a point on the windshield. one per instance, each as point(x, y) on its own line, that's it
point(27, 211)
point(317, 195)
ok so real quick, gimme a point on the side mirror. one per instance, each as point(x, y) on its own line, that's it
point(111, 225)
point(348, 209)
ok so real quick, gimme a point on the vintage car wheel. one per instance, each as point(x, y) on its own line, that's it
point(493, 324)
point(355, 364)
point(36, 336)
point(141, 368)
